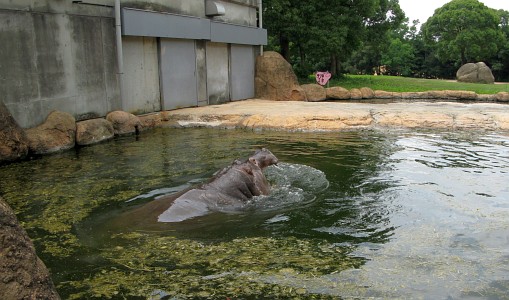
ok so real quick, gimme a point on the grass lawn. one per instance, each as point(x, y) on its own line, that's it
point(406, 84)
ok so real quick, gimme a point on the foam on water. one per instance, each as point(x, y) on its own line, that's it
point(292, 184)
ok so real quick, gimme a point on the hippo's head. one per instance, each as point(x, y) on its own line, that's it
point(263, 158)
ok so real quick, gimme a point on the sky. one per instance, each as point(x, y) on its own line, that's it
point(422, 10)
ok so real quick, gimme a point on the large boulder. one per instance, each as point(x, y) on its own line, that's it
point(124, 122)
point(314, 92)
point(22, 274)
point(13, 141)
point(502, 97)
point(338, 93)
point(367, 93)
point(379, 94)
point(475, 73)
point(275, 79)
point(93, 131)
point(57, 133)
point(355, 94)
point(151, 121)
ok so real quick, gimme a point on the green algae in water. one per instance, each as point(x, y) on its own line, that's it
point(191, 269)
point(420, 215)
point(60, 191)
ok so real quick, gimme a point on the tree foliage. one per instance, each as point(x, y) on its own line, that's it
point(399, 57)
point(362, 35)
point(322, 34)
point(464, 31)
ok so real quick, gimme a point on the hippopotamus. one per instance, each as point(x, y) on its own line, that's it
point(229, 190)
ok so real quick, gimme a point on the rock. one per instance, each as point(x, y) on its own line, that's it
point(339, 121)
point(475, 73)
point(468, 95)
point(460, 95)
point(275, 79)
point(474, 120)
point(384, 95)
point(22, 274)
point(414, 119)
point(415, 95)
point(355, 94)
point(397, 95)
point(124, 122)
point(13, 141)
point(93, 131)
point(314, 92)
point(502, 96)
point(310, 116)
point(437, 94)
point(337, 93)
point(151, 121)
point(57, 133)
point(452, 95)
point(367, 93)
point(486, 97)
point(502, 119)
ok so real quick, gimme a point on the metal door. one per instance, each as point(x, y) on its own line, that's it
point(218, 85)
point(242, 64)
point(177, 59)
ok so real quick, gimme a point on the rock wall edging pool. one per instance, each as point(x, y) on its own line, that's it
point(61, 132)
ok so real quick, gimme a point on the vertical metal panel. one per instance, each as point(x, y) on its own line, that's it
point(177, 59)
point(242, 72)
point(218, 86)
point(141, 74)
point(201, 71)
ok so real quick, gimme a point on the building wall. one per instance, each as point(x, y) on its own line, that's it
point(241, 12)
point(55, 57)
point(60, 55)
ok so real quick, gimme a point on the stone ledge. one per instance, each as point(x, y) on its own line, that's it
point(335, 116)
point(301, 116)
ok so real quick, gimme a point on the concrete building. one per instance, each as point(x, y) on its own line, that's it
point(63, 55)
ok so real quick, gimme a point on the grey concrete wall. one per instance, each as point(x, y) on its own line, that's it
point(238, 13)
point(59, 55)
point(103, 9)
point(184, 7)
point(241, 12)
point(51, 59)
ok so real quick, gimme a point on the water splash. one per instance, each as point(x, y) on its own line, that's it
point(292, 184)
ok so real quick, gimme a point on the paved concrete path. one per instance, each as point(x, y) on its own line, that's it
point(309, 116)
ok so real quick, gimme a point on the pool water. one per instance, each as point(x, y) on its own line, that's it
point(380, 214)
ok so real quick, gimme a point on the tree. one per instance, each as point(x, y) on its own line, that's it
point(283, 22)
point(463, 31)
point(390, 43)
point(380, 28)
point(500, 66)
point(323, 34)
point(399, 58)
